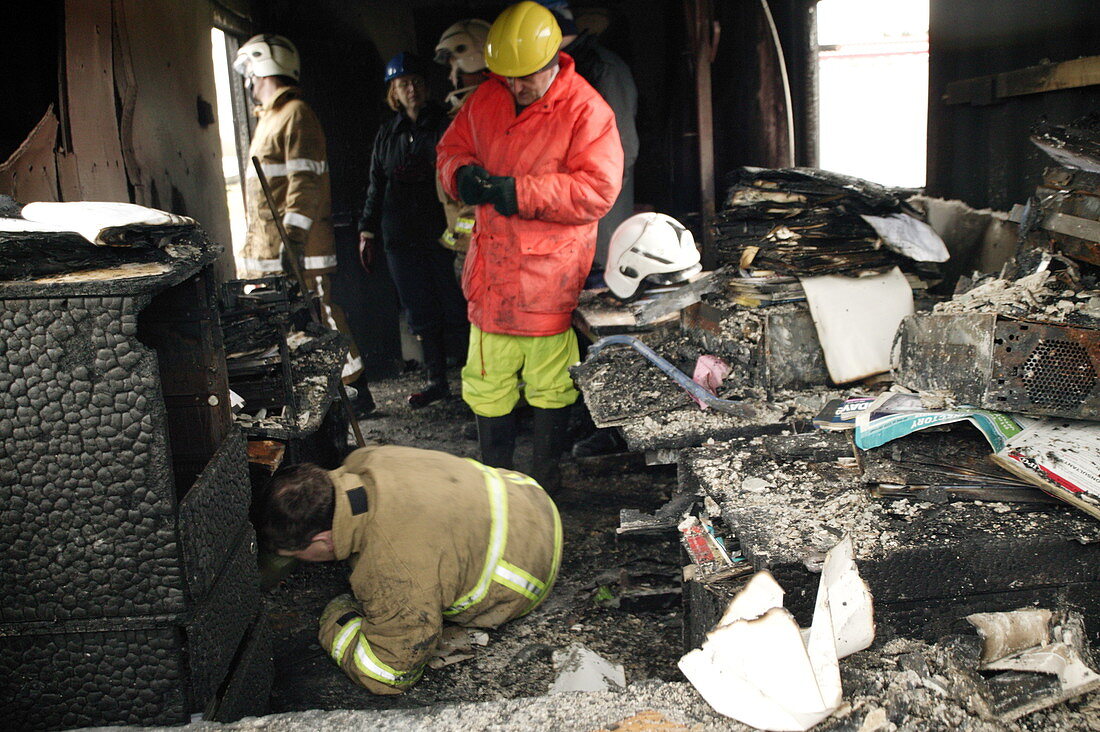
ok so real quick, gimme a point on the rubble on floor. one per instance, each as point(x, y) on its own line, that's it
point(945, 522)
point(756, 666)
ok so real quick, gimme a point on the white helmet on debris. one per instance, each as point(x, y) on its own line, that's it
point(267, 55)
point(464, 45)
point(653, 247)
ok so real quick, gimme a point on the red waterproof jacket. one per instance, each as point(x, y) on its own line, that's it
point(523, 273)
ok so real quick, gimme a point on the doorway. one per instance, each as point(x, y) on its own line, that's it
point(873, 89)
point(230, 133)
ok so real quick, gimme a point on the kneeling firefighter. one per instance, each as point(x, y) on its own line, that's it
point(429, 536)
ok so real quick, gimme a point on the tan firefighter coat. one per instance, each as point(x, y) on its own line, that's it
point(431, 538)
point(290, 145)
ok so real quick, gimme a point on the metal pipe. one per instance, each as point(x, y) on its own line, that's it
point(726, 406)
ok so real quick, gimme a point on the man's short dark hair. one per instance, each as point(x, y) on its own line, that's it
point(297, 505)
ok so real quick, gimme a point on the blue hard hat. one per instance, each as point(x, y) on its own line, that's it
point(563, 14)
point(403, 64)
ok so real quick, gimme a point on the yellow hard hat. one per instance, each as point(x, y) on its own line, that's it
point(522, 40)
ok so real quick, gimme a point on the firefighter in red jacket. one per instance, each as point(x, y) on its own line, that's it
point(536, 150)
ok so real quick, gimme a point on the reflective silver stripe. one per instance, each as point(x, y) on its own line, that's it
point(464, 225)
point(263, 265)
point(506, 575)
point(323, 261)
point(340, 645)
point(351, 366)
point(305, 165)
point(271, 170)
point(294, 165)
point(498, 535)
point(326, 309)
point(296, 219)
point(369, 664)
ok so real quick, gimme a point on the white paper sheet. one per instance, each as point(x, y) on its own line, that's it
point(909, 237)
point(856, 319)
point(94, 220)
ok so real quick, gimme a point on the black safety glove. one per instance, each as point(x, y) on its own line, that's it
point(473, 184)
point(503, 194)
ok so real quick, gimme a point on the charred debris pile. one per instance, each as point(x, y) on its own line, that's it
point(812, 392)
point(131, 592)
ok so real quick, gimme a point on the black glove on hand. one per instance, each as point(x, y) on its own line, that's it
point(473, 184)
point(503, 194)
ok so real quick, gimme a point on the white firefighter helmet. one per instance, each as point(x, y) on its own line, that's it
point(464, 44)
point(267, 55)
point(653, 247)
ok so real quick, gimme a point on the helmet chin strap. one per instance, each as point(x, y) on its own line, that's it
point(454, 99)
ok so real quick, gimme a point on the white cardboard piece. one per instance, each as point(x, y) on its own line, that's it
point(856, 319)
point(757, 667)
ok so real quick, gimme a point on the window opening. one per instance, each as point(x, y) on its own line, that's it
point(873, 89)
point(230, 135)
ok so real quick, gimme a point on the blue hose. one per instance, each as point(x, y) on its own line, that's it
point(727, 406)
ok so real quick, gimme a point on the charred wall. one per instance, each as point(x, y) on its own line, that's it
point(126, 80)
point(979, 151)
point(751, 121)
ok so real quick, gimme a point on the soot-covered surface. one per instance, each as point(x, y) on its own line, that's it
point(928, 564)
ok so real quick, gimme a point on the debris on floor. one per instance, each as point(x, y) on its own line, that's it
point(457, 645)
point(959, 408)
point(580, 669)
point(1040, 653)
point(757, 667)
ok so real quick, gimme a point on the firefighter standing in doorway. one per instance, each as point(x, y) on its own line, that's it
point(290, 146)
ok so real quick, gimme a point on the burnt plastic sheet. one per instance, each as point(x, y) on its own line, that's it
point(218, 626)
point(249, 685)
point(88, 525)
point(212, 513)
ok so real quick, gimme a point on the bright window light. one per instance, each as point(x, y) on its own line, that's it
point(873, 94)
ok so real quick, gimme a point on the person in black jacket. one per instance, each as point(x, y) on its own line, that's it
point(403, 208)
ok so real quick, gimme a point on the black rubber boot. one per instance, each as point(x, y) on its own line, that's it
point(549, 438)
point(497, 437)
point(435, 361)
point(363, 403)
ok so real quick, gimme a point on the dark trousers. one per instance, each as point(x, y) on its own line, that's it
point(425, 281)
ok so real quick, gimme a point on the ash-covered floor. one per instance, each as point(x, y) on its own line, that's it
point(517, 661)
point(896, 686)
